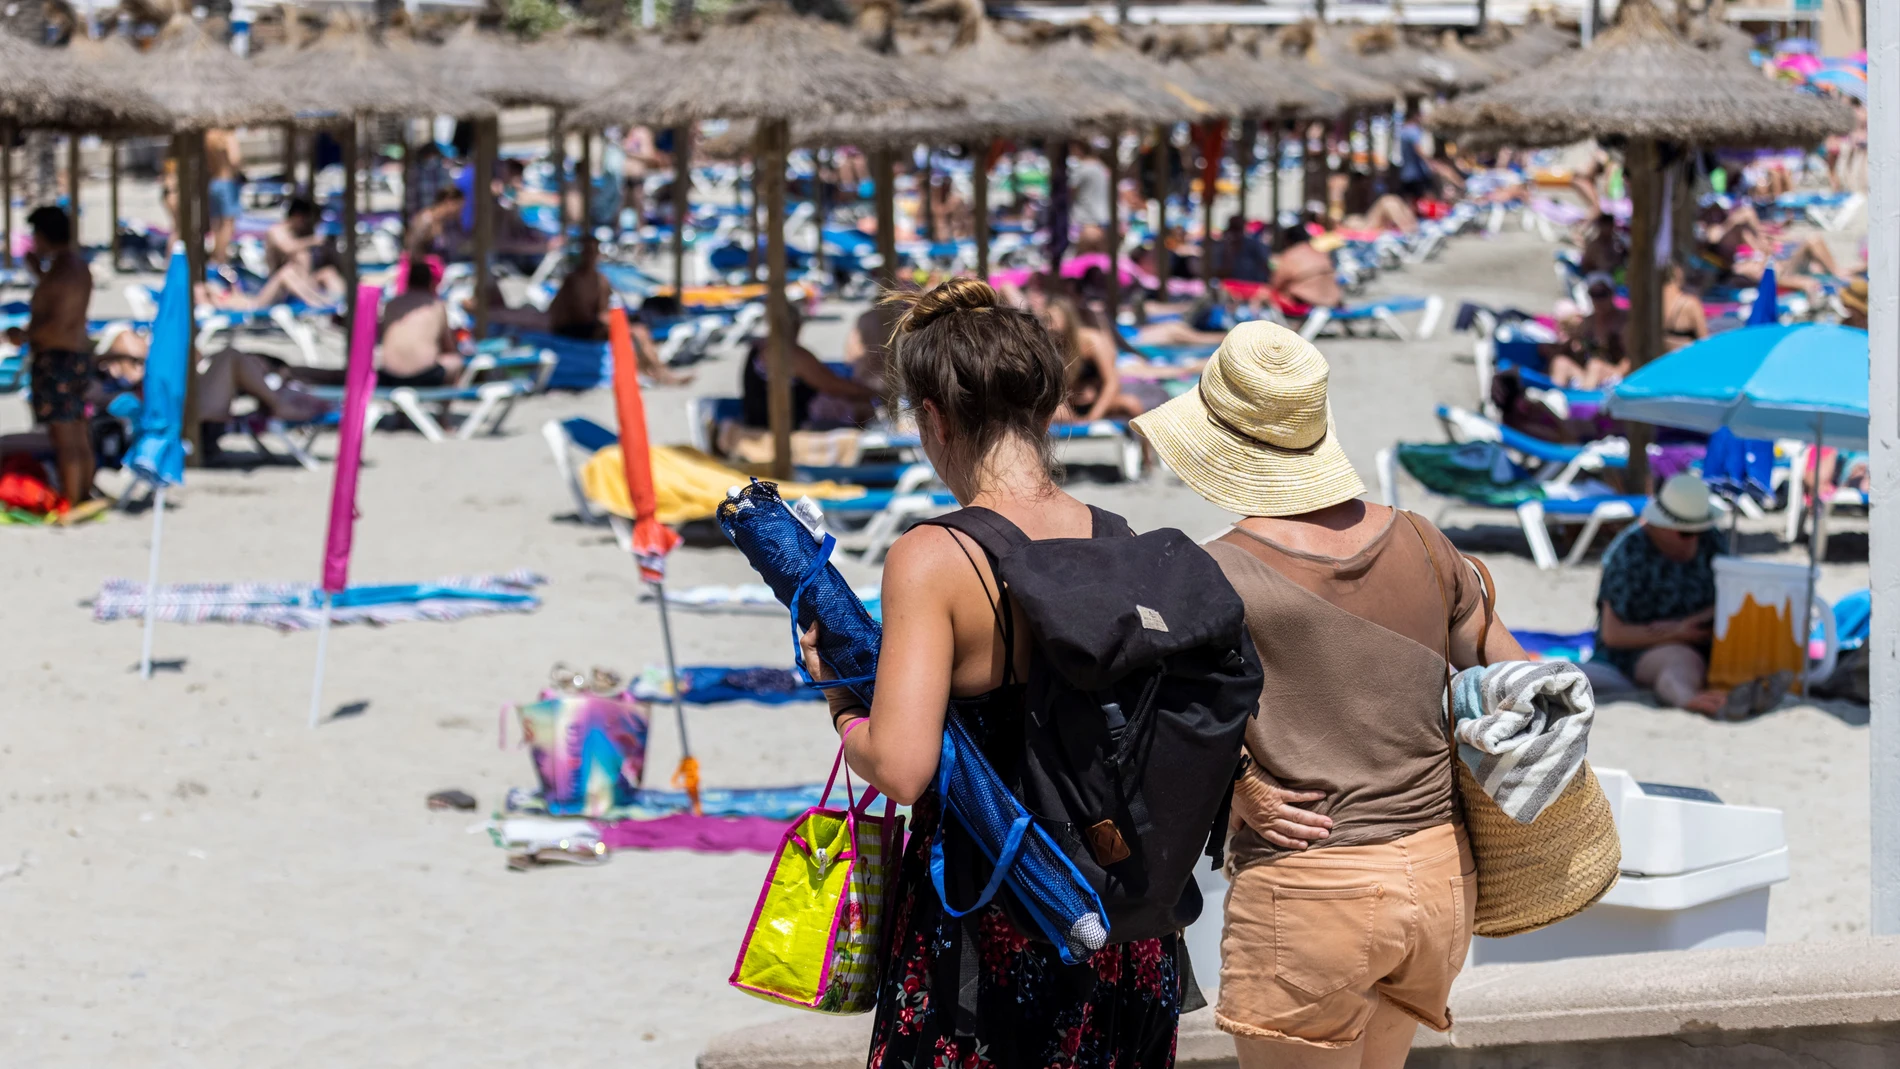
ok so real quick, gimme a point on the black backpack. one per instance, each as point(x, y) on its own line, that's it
point(1138, 692)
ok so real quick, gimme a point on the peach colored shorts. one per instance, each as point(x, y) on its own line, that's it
point(1313, 940)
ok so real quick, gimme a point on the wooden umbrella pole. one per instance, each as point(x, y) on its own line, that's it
point(980, 205)
point(682, 185)
point(584, 178)
point(821, 207)
point(557, 157)
point(884, 177)
point(1164, 260)
point(486, 132)
point(72, 186)
point(1273, 180)
point(288, 154)
point(188, 169)
point(776, 136)
point(927, 197)
point(1210, 190)
point(755, 250)
point(1113, 158)
point(1642, 161)
point(6, 194)
point(112, 203)
point(351, 159)
point(403, 145)
point(1243, 158)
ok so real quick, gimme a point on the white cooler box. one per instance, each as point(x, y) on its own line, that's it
point(1696, 874)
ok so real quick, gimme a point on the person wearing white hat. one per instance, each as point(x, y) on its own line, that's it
point(1355, 609)
point(1656, 605)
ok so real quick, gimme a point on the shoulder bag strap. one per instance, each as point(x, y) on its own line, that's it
point(1451, 735)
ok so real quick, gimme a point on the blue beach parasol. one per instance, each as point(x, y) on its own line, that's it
point(1807, 381)
point(158, 453)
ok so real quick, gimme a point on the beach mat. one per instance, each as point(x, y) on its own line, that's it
point(295, 606)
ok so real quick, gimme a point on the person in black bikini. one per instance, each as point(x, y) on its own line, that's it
point(811, 379)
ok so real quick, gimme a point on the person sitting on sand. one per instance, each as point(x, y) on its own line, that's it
point(415, 345)
point(1591, 353)
point(1656, 606)
point(1304, 274)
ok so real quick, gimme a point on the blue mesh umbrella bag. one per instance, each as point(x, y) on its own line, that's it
point(1043, 881)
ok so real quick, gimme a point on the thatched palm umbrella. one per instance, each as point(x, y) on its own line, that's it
point(773, 66)
point(48, 89)
point(1525, 47)
point(344, 76)
point(1642, 85)
point(556, 73)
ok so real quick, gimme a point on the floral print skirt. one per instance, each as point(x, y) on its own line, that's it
point(1118, 1010)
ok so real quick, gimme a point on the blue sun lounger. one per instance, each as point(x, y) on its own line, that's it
point(1366, 318)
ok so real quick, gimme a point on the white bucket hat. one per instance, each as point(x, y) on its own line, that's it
point(1682, 504)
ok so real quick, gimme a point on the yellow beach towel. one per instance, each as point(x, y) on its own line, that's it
point(687, 484)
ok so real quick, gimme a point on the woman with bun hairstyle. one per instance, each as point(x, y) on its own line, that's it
point(984, 381)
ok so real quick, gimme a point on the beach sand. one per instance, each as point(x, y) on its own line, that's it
point(189, 876)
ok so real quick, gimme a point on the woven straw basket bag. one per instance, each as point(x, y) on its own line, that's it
point(1530, 876)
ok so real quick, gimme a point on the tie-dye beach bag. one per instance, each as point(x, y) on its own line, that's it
point(589, 750)
point(816, 940)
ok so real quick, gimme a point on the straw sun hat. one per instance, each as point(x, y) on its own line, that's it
point(1256, 436)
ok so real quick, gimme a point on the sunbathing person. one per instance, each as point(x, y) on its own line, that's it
point(1684, 320)
point(437, 229)
point(579, 307)
point(1240, 255)
point(1604, 249)
point(1389, 212)
point(811, 381)
point(1095, 386)
point(299, 259)
point(1590, 353)
point(223, 377)
point(1303, 274)
point(415, 345)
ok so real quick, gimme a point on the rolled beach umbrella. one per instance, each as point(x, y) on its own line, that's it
point(768, 64)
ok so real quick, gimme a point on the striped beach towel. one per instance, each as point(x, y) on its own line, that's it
point(1523, 728)
point(297, 606)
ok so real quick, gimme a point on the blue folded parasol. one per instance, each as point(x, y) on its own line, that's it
point(1043, 880)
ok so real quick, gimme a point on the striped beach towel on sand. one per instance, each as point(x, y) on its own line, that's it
point(1523, 728)
point(296, 606)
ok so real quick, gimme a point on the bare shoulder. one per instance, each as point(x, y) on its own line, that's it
point(923, 554)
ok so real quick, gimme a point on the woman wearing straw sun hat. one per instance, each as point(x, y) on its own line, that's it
point(1353, 887)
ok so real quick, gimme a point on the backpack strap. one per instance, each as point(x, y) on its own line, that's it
point(986, 528)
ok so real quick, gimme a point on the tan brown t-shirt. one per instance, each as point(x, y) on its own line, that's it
point(1352, 652)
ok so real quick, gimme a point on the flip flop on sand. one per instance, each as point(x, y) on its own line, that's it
point(1755, 697)
point(585, 855)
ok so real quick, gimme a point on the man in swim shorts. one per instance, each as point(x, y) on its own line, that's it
point(61, 362)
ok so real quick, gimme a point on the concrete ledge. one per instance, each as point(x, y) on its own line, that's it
point(1831, 1005)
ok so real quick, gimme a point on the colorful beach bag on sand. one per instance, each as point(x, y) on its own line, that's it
point(816, 940)
point(589, 750)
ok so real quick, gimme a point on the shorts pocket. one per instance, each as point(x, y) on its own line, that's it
point(1322, 936)
point(1464, 893)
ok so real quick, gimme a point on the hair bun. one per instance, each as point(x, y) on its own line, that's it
point(956, 295)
